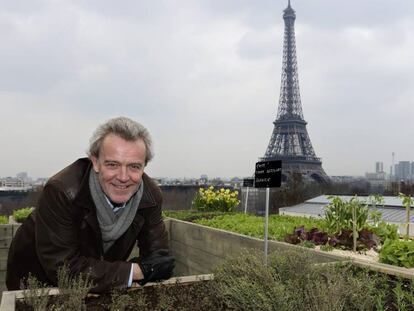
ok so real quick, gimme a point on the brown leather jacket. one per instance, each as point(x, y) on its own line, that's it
point(64, 229)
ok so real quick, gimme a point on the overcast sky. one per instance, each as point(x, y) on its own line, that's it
point(204, 76)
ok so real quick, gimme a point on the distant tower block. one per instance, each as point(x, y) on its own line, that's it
point(379, 167)
point(290, 141)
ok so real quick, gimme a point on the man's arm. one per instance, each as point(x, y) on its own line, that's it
point(57, 242)
point(153, 235)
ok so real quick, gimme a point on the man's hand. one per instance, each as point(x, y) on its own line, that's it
point(137, 273)
point(157, 266)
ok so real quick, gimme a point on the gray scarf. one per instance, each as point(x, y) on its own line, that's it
point(112, 224)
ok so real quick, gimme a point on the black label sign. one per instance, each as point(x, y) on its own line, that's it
point(268, 174)
point(248, 182)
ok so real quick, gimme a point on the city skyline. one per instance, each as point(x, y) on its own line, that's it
point(204, 78)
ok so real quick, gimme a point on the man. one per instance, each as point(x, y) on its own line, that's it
point(91, 214)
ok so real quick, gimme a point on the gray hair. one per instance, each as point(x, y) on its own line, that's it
point(125, 128)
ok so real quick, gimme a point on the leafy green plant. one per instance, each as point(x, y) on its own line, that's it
point(339, 214)
point(398, 253)
point(384, 231)
point(223, 200)
point(4, 220)
point(407, 202)
point(21, 214)
point(375, 214)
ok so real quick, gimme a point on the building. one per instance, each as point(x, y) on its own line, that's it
point(379, 167)
point(403, 170)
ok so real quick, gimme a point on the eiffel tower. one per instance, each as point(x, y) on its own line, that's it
point(290, 141)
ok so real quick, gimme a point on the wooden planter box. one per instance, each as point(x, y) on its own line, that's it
point(7, 233)
point(9, 298)
point(198, 249)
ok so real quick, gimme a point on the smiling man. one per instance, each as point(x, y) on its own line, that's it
point(91, 214)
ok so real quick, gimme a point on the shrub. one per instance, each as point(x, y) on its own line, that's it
point(293, 281)
point(36, 294)
point(223, 200)
point(21, 214)
point(4, 220)
point(73, 291)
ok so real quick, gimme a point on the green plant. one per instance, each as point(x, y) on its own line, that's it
point(4, 220)
point(339, 214)
point(307, 244)
point(252, 225)
point(327, 248)
point(36, 294)
point(222, 200)
point(384, 231)
point(375, 214)
point(294, 281)
point(21, 214)
point(192, 215)
point(120, 300)
point(73, 289)
point(399, 293)
point(398, 253)
point(407, 202)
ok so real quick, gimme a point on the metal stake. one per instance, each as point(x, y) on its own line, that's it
point(266, 226)
point(247, 196)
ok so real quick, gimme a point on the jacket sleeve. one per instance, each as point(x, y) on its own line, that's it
point(57, 243)
point(153, 235)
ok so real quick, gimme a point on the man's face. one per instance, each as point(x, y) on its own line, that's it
point(120, 166)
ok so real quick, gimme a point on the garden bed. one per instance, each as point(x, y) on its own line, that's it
point(199, 249)
point(287, 283)
point(176, 293)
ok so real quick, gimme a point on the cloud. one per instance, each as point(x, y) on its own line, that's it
point(204, 77)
